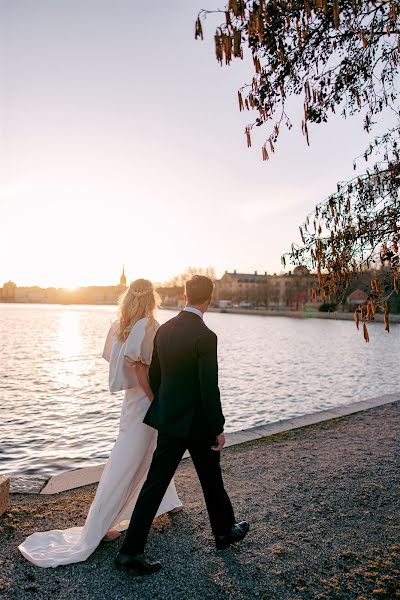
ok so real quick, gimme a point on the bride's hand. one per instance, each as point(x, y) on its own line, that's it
point(142, 375)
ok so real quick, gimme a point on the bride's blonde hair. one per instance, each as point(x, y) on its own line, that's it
point(140, 300)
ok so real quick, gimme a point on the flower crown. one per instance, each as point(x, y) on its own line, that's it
point(140, 294)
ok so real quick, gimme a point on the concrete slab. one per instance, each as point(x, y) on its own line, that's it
point(73, 479)
point(321, 416)
point(295, 422)
point(380, 400)
point(240, 437)
point(4, 493)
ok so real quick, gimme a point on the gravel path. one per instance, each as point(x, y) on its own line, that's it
point(324, 508)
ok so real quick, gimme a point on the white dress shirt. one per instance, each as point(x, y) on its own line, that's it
point(193, 310)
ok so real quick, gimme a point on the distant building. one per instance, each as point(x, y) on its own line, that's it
point(34, 295)
point(357, 297)
point(109, 294)
point(122, 279)
point(7, 293)
point(300, 271)
point(287, 290)
point(240, 286)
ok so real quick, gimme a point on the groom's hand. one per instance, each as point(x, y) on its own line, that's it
point(219, 443)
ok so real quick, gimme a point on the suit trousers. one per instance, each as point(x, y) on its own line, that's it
point(166, 458)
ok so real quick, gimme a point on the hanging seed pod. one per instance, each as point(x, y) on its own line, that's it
point(306, 133)
point(366, 334)
point(336, 19)
point(260, 28)
point(248, 137)
point(233, 6)
point(357, 318)
point(218, 48)
point(198, 33)
point(386, 317)
point(241, 106)
point(257, 64)
point(237, 41)
point(227, 44)
point(396, 281)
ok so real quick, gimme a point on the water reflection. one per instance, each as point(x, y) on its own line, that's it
point(68, 367)
point(69, 339)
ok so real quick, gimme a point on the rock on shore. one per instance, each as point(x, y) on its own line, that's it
point(4, 493)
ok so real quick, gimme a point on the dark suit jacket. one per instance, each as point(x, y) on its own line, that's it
point(184, 378)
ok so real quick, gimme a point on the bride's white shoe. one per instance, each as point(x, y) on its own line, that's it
point(111, 535)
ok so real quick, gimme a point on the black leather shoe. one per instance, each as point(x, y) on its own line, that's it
point(236, 534)
point(137, 564)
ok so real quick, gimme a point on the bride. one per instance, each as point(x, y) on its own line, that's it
point(128, 349)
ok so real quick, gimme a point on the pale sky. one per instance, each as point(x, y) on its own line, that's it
point(122, 142)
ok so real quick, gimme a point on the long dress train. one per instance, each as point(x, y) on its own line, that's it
point(125, 471)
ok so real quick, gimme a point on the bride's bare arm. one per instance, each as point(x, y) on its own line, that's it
point(142, 371)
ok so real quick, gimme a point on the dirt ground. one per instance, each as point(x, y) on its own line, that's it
point(324, 507)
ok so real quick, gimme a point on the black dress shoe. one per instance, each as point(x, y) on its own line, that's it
point(237, 532)
point(137, 564)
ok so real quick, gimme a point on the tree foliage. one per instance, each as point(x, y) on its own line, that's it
point(188, 273)
point(336, 56)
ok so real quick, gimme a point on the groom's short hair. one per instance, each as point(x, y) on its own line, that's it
point(199, 289)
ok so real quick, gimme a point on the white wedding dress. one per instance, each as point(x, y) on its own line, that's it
point(127, 467)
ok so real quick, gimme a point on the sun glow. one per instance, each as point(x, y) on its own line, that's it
point(75, 238)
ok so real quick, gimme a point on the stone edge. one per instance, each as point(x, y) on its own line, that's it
point(87, 475)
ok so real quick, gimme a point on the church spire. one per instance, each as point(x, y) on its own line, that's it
point(122, 280)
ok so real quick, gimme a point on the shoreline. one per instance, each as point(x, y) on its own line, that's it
point(292, 314)
point(76, 478)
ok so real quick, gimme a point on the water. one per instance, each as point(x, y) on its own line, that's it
point(56, 412)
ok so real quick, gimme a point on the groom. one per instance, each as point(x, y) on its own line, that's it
point(187, 412)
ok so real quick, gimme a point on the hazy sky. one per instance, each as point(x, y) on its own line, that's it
point(121, 142)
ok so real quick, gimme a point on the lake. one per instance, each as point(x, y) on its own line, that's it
point(56, 412)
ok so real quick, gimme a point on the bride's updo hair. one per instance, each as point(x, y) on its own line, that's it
point(140, 300)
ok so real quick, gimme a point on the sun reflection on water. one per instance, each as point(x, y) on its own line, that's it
point(69, 339)
point(68, 366)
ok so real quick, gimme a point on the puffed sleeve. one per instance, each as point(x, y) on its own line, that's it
point(139, 345)
point(109, 341)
